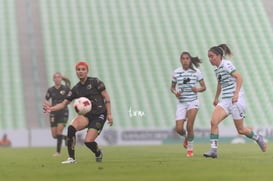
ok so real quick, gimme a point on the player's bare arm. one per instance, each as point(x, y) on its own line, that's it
point(217, 94)
point(202, 87)
point(67, 81)
point(173, 90)
point(239, 81)
point(47, 108)
point(108, 106)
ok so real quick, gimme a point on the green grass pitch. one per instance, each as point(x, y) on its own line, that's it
point(139, 163)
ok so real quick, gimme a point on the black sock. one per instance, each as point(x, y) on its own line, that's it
point(93, 146)
point(59, 143)
point(71, 141)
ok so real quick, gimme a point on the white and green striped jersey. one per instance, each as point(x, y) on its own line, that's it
point(185, 80)
point(226, 80)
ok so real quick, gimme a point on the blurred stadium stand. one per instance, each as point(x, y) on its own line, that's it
point(134, 46)
point(12, 112)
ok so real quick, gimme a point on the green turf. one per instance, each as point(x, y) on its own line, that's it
point(130, 163)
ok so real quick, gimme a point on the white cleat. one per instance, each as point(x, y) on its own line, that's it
point(211, 154)
point(261, 143)
point(69, 160)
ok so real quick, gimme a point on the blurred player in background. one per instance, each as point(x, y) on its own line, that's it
point(58, 119)
point(229, 85)
point(94, 89)
point(5, 141)
point(184, 86)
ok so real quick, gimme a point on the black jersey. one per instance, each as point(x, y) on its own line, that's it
point(57, 95)
point(91, 89)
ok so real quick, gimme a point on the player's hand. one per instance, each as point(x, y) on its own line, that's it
point(110, 119)
point(215, 102)
point(46, 108)
point(235, 98)
point(178, 94)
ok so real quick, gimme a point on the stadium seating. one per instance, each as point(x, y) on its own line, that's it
point(12, 115)
point(134, 46)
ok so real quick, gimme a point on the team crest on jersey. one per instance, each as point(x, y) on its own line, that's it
point(62, 92)
point(89, 86)
point(186, 80)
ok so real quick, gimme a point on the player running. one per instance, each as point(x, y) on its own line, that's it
point(184, 87)
point(229, 85)
point(58, 119)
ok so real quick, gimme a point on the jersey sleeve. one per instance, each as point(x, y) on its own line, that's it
point(229, 67)
point(100, 85)
point(71, 95)
point(199, 75)
point(48, 95)
point(174, 77)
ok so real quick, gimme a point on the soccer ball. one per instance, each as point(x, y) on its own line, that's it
point(82, 105)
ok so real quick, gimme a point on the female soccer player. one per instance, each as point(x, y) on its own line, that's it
point(184, 87)
point(58, 119)
point(229, 84)
point(93, 89)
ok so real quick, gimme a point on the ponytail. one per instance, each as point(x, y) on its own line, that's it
point(226, 50)
point(222, 50)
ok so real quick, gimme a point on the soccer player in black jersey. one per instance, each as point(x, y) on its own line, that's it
point(58, 119)
point(93, 89)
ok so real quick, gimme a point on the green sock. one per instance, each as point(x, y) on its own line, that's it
point(190, 138)
point(214, 141)
point(190, 143)
point(253, 136)
point(214, 136)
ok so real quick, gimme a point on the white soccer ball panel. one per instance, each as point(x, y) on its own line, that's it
point(82, 105)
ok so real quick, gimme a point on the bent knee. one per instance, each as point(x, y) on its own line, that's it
point(180, 131)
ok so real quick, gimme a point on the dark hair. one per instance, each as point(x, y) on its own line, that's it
point(194, 60)
point(222, 50)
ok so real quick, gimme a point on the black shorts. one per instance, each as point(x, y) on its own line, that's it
point(58, 118)
point(96, 121)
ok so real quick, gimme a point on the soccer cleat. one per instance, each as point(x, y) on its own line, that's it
point(261, 143)
point(211, 154)
point(99, 158)
point(69, 160)
point(185, 144)
point(189, 153)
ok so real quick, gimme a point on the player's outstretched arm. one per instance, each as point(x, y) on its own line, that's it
point(47, 108)
point(108, 106)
